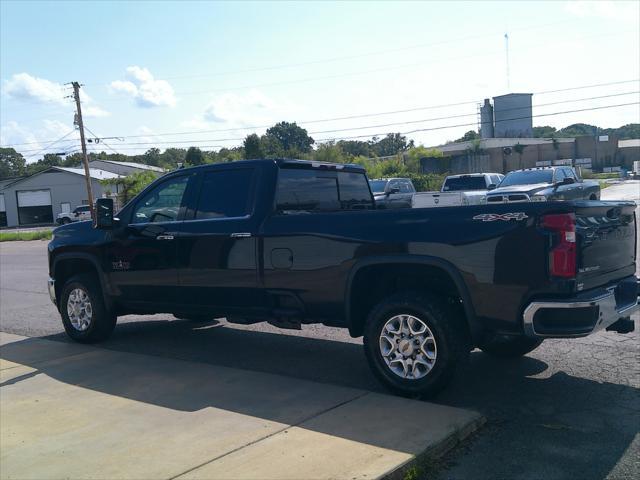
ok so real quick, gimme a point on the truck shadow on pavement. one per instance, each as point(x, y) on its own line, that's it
point(578, 427)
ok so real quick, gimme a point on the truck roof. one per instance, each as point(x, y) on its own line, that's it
point(284, 162)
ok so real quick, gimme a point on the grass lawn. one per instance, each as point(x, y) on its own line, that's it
point(37, 235)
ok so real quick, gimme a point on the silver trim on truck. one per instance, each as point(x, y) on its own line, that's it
point(609, 313)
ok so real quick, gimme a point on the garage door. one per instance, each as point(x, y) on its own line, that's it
point(34, 206)
point(3, 211)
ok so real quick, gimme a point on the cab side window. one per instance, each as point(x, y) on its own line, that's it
point(405, 186)
point(162, 203)
point(226, 194)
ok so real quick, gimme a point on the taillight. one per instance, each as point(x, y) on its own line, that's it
point(562, 257)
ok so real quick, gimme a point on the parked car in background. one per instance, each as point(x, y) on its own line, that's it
point(392, 192)
point(78, 214)
point(458, 190)
point(543, 184)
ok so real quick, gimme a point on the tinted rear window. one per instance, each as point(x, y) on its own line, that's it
point(225, 194)
point(464, 183)
point(527, 178)
point(317, 190)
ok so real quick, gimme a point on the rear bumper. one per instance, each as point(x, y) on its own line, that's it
point(584, 314)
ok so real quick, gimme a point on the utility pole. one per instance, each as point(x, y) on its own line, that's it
point(85, 159)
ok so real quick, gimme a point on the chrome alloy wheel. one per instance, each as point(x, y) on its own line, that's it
point(408, 347)
point(79, 309)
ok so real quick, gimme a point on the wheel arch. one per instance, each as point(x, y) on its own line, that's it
point(66, 265)
point(361, 274)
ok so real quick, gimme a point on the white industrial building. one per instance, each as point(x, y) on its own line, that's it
point(39, 198)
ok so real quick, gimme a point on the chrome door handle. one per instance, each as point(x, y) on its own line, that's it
point(164, 237)
point(240, 235)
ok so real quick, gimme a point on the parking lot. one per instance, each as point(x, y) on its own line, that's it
point(570, 409)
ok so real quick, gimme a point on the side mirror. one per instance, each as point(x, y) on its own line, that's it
point(104, 214)
point(392, 191)
point(567, 181)
point(492, 186)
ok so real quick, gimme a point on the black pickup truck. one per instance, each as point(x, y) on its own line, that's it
point(292, 242)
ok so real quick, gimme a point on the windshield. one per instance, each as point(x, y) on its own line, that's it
point(527, 178)
point(456, 184)
point(377, 186)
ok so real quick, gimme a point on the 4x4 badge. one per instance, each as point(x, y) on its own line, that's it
point(505, 217)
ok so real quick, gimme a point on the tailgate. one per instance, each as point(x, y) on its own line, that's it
point(606, 241)
point(437, 199)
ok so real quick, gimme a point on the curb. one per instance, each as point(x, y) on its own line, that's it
point(438, 450)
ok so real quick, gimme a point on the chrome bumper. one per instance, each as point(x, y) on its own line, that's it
point(604, 308)
point(51, 285)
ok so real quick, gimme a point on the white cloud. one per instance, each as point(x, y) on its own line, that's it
point(242, 110)
point(239, 111)
point(23, 86)
point(39, 140)
point(12, 133)
point(144, 88)
point(614, 10)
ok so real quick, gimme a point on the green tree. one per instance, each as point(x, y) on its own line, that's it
point(172, 157)
point(253, 147)
point(12, 163)
point(544, 132)
point(194, 157)
point(131, 185)
point(390, 145)
point(414, 157)
point(355, 148)
point(470, 135)
point(329, 152)
point(291, 137)
point(151, 157)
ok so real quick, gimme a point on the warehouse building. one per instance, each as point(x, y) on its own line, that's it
point(39, 198)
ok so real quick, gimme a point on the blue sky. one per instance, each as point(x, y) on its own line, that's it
point(152, 68)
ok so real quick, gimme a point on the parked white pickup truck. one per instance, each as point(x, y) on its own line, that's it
point(78, 214)
point(458, 190)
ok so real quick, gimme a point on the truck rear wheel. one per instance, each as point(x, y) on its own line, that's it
point(84, 314)
point(508, 346)
point(414, 343)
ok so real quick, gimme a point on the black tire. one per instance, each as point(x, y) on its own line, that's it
point(65, 221)
point(194, 318)
point(593, 197)
point(508, 346)
point(102, 321)
point(449, 332)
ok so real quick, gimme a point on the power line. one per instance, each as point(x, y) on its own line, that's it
point(444, 127)
point(366, 115)
point(51, 144)
point(409, 122)
point(473, 124)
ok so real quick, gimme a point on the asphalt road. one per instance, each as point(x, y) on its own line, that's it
point(570, 409)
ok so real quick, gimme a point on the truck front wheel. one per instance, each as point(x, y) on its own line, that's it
point(508, 346)
point(84, 314)
point(414, 342)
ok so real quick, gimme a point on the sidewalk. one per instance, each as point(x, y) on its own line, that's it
point(74, 411)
